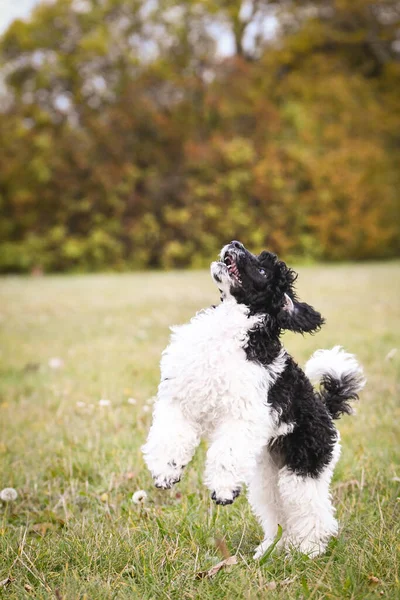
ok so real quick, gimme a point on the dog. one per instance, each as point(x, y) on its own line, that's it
point(226, 375)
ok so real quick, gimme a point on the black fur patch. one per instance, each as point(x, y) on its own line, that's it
point(263, 344)
point(337, 393)
point(308, 449)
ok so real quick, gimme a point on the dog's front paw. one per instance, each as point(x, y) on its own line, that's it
point(171, 475)
point(225, 496)
point(165, 483)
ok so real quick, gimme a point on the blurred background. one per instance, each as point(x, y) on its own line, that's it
point(146, 134)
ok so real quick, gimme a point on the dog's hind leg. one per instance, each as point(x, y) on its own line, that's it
point(310, 515)
point(263, 495)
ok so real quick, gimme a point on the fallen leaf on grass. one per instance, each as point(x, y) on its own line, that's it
point(28, 588)
point(30, 367)
point(373, 580)
point(391, 354)
point(5, 582)
point(42, 528)
point(227, 562)
point(222, 547)
point(271, 585)
point(287, 581)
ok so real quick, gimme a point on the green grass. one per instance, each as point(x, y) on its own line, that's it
point(73, 532)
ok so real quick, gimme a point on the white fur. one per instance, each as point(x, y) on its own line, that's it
point(209, 388)
point(301, 505)
point(265, 501)
point(306, 501)
point(335, 362)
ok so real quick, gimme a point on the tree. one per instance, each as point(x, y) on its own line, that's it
point(126, 140)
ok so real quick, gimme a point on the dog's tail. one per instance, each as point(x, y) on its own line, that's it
point(340, 377)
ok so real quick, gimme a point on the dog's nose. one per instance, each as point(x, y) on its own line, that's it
point(237, 244)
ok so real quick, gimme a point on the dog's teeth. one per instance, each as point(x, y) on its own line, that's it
point(233, 270)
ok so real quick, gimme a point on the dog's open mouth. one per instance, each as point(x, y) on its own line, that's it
point(230, 262)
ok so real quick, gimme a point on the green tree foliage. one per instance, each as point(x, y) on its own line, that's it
point(126, 140)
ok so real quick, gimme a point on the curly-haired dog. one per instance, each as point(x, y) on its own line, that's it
point(227, 376)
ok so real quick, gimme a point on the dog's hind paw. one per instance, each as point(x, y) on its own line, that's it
point(265, 544)
point(262, 548)
point(225, 496)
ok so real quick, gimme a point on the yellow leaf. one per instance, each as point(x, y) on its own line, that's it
point(227, 562)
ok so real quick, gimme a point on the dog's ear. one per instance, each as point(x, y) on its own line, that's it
point(299, 316)
point(292, 314)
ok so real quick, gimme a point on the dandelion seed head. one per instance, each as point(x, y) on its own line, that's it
point(8, 494)
point(56, 363)
point(139, 497)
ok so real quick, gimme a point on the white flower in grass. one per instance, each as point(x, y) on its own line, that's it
point(104, 402)
point(139, 497)
point(56, 363)
point(132, 401)
point(8, 495)
point(146, 408)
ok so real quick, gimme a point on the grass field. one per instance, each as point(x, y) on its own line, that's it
point(73, 531)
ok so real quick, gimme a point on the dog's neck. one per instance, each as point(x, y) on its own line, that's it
point(263, 344)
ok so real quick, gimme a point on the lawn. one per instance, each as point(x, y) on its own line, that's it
point(73, 531)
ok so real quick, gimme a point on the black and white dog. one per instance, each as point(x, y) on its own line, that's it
point(226, 375)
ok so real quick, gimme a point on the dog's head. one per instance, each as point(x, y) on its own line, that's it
point(264, 284)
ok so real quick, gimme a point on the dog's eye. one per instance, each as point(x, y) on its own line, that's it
point(262, 271)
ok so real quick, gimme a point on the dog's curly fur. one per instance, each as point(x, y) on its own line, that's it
point(225, 375)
